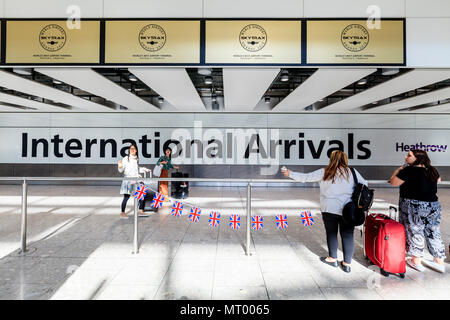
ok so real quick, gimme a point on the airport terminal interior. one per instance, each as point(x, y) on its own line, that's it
point(240, 91)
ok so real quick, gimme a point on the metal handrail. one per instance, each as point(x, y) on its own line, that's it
point(246, 180)
point(25, 181)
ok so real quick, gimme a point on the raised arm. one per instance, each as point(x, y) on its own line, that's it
point(314, 176)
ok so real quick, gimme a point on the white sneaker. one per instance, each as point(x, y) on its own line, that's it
point(418, 267)
point(434, 265)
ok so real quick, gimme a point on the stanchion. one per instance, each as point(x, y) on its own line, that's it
point(24, 216)
point(135, 238)
point(249, 217)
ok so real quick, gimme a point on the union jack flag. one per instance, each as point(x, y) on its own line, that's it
point(141, 191)
point(281, 220)
point(214, 219)
point(158, 200)
point(257, 222)
point(235, 221)
point(177, 209)
point(307, 218)
point(194, 216)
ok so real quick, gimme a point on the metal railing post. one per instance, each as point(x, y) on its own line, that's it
point(135, 238)
point(249, 217)
point(24, 217)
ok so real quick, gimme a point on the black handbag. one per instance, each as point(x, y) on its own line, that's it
point(354, 212)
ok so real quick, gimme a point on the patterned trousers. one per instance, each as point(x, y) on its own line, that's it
point(422, 224)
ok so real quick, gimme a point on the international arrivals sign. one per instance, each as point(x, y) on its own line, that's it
point(220, 145)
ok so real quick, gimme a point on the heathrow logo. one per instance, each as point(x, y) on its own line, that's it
point(355, 37)
point(152, 37)
point(52, 37)
point(253, 37)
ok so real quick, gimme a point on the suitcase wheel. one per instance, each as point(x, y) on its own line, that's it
point(384, 273)
point(402, 275)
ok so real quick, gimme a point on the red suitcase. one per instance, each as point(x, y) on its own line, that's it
point(385, 244)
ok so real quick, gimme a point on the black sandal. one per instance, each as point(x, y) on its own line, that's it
point(324, 260)
point(345, 268)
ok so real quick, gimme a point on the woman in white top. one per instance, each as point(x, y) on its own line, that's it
point(336, 188)
point(129, 166)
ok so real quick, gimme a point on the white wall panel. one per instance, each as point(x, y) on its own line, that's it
point(352, 8)
point(429, 8)
point(428, 42)
point(153, 8)
point(51, 8)
point(2, 8)
point(253, 9)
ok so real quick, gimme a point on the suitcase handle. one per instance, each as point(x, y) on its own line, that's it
point(379, 216)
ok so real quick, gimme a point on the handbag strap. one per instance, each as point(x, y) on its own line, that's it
point(354, 176)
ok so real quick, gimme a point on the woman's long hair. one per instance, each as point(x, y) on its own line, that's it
point(137, 152)
point(423, 159)
point(338, 166)
point(170, 152)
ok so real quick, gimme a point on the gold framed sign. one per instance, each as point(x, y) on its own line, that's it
point(152, 41)
point(253, 42)
point(38, 42)
point(354, 42)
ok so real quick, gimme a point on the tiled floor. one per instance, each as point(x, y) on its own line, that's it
point(80, 249)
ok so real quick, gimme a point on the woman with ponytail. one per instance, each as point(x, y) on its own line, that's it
point(336, 189)
point(420, 211)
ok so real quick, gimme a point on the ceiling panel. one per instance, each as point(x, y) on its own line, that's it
point(320, 84)
point(173, 84)
point(445, 107)
point(408, 81)
point(18, 83)
point(88, 80)
point(39, 106)
point(429, 97)
point(244, 87)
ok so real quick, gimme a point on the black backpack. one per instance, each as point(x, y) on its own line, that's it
point(354, 212)
point(362, 196)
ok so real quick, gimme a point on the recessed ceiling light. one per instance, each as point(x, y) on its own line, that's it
point(389, 71)
point(23, 71)
point(362, 81)
point(132, 78)
point(208, 80)
point(267, 99)
point(56, 81)
point(284, 76)
point(375, 102)
point(204, 71)
point(160, 99)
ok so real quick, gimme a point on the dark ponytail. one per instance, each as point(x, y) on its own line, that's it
point(423, 159)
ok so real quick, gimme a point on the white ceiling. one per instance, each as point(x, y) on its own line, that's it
point(17, 83)
point(90, 81)
point(244, 87)
point(408, 81)
point(173, 84)
point(445, 107)
point(39, 106)
point(243, 90)
point(321, 84)
point(424, 98)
